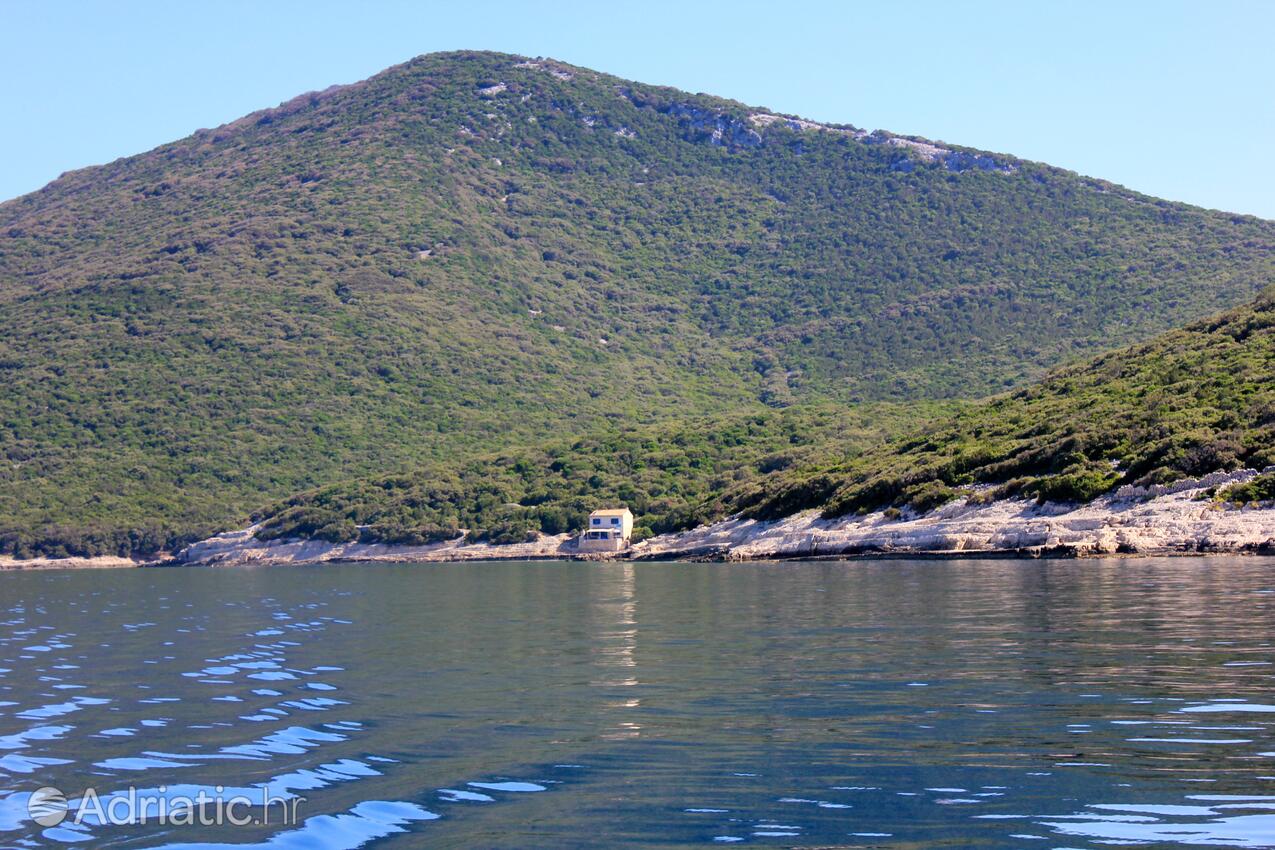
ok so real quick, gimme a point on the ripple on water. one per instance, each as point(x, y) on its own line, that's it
point(364, 823)
point(140, 763)
point(16, 763)
point(61, 708)
point(453, 795)
point(1224, 707)
point(519, 787)
point(1169, 824)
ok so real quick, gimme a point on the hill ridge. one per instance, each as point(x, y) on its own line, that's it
point(404, 270)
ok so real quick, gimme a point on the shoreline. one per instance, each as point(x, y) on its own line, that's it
point(101, 562)
point(1174, 522)
point(1177, 523)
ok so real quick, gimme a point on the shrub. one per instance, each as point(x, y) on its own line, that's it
point(1260, 489)
point(980, 497)
point(1079, 484)
point(1011, 488)
point(928, 496)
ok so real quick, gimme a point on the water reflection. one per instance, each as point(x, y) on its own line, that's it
point(613, 614)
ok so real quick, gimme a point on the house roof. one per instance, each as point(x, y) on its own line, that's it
point(610, 512)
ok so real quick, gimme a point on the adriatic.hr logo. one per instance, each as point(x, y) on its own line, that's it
point(49, 807)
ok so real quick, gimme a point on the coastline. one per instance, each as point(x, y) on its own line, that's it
point(1176, 522)
point(1172, 520)
point(1172, 524)
point(101, 562)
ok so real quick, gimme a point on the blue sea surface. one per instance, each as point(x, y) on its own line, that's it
point(888, 704)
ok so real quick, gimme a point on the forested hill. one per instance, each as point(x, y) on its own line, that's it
point(471, 250)
point(1186, 404)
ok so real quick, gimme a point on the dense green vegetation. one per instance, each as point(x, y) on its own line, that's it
point(667, 475)
point(1258, 491)
point(467, 252)
point(1187, 403)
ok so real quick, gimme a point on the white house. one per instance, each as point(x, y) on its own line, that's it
point(609, 530)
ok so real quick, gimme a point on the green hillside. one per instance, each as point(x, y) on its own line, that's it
point(668, 474)
point(1188, 403)
point(1185, 404)
point(472, 250)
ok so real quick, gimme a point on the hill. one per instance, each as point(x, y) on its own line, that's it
point(668, 474)
point(471, 250)
point(1186, 404)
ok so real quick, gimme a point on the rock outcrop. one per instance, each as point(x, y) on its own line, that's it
point(244, 547)
point(101, 562)
point(700, 124)
point(1213, 479)
point(929, 152)
point(1172, 524)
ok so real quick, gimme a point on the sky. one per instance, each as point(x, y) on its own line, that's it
point(1175, 99)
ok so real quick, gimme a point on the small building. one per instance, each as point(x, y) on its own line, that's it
point(609, 530)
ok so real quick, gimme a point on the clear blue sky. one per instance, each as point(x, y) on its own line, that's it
point(1175, 99)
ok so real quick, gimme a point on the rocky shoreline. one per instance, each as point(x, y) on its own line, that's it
point(102, 562)
point(1176, 523)
point(1179, 522)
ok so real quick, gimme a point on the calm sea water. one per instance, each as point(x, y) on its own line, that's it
point(898, 704)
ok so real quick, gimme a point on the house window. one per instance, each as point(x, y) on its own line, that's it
point(597, 521)
point(615, 520)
